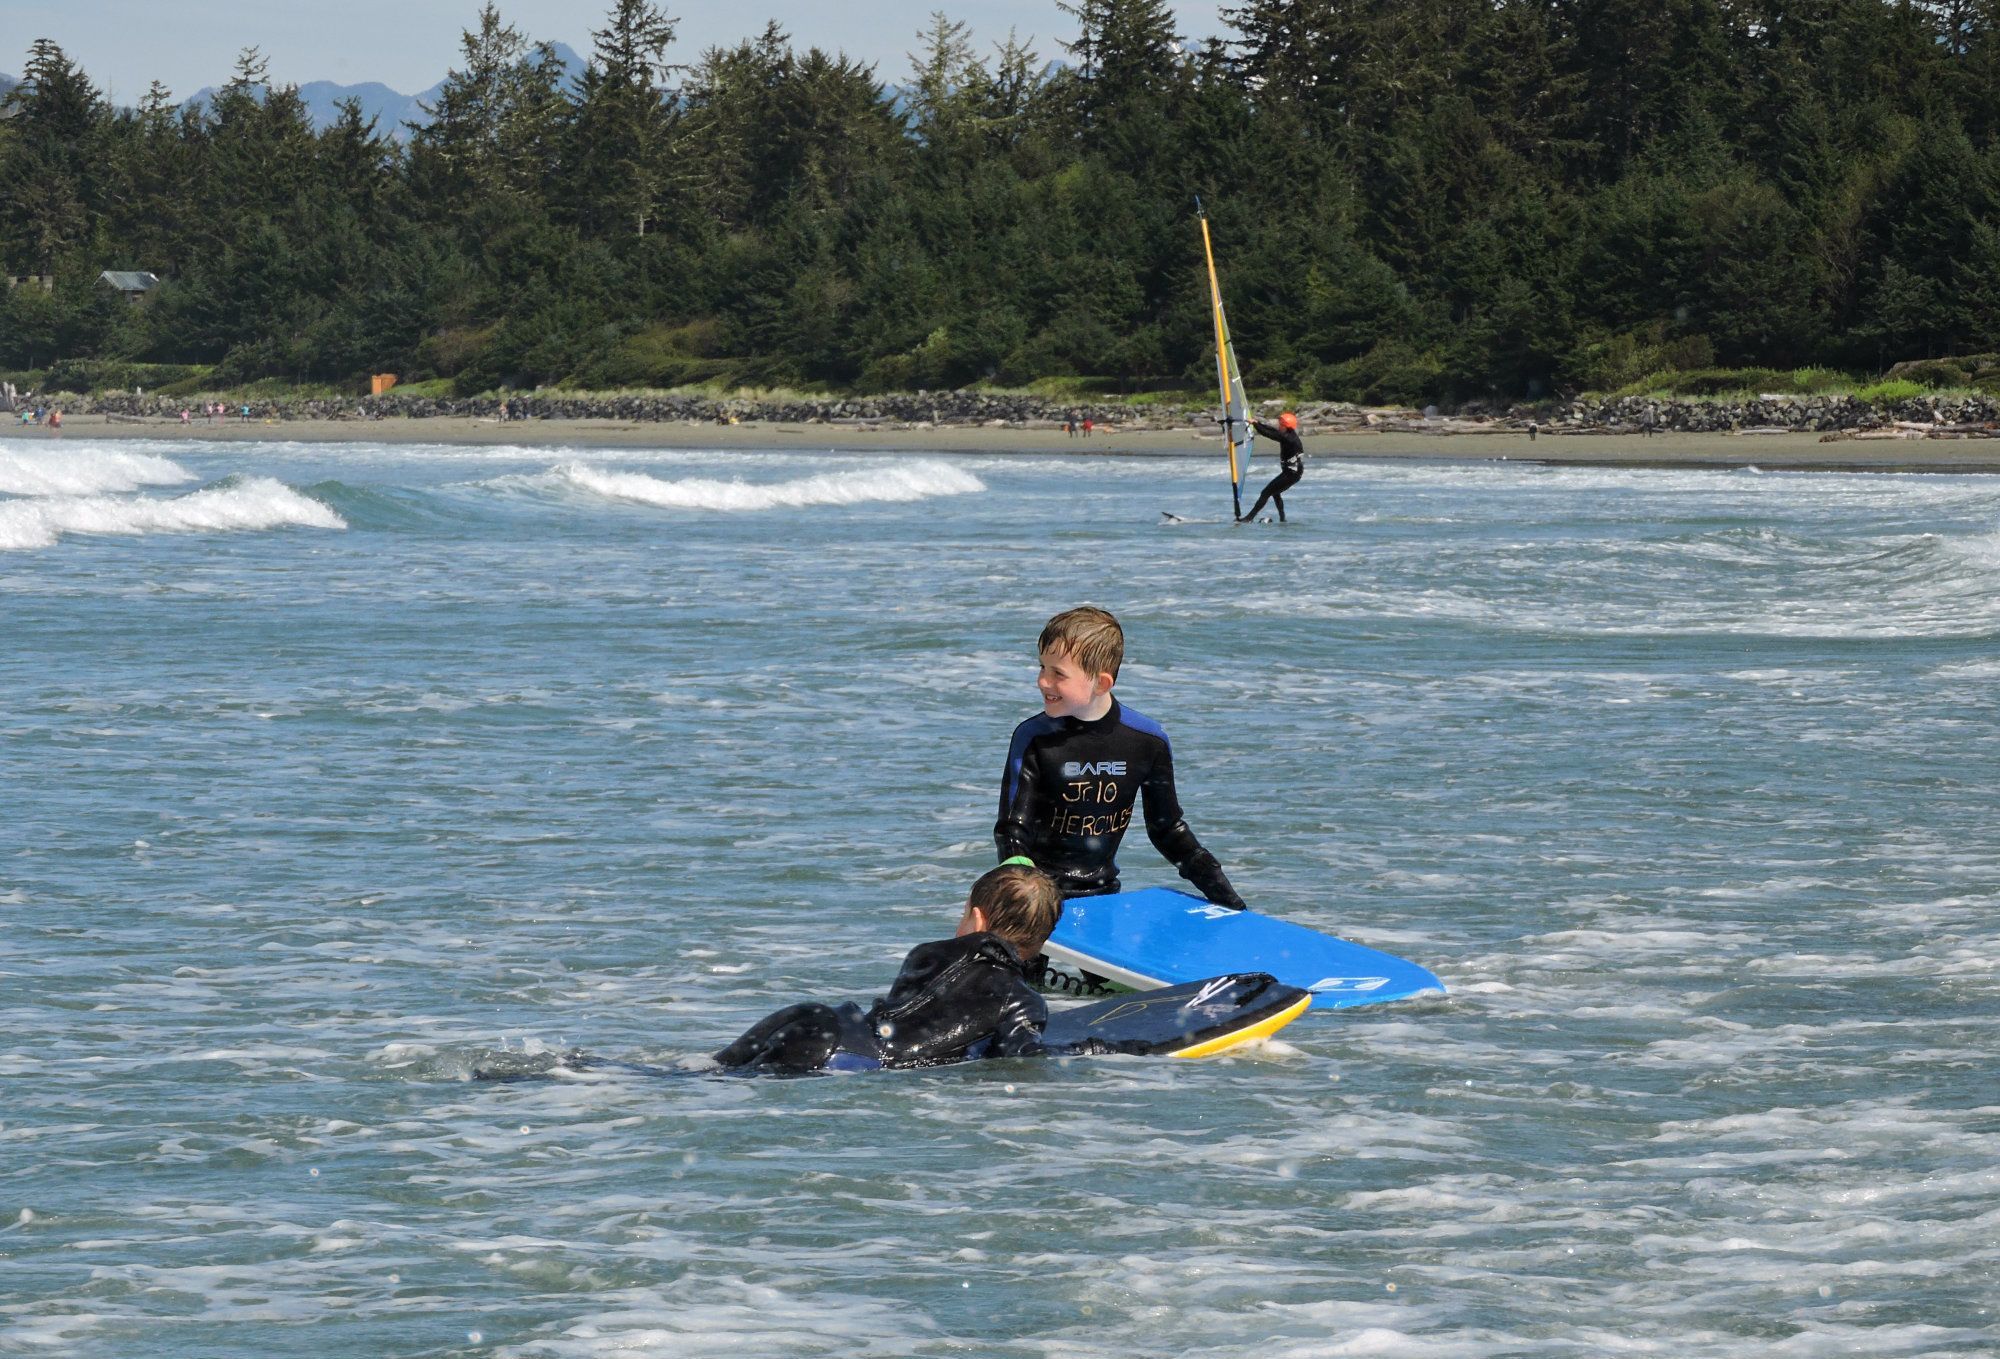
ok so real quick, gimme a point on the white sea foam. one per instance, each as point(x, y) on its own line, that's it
point(899, 482)
point(72, 471)
point(1980, 550)
point(246, 504)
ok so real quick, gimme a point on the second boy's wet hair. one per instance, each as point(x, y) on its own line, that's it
point(1021, 905)
point(1089, 636)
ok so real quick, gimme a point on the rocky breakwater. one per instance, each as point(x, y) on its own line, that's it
point(1942, 417)
point(907, 409)
point(1831, 416)
point(1657, 415)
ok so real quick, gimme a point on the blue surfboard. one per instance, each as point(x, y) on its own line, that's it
point(1160, 937)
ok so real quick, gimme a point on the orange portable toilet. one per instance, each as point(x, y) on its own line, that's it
point(380, 383)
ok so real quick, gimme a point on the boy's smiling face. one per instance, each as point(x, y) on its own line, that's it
point(1068, 691)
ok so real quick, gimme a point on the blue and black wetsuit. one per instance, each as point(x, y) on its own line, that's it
point(955, 1000)
point(1291, 467)
point(1066, 799)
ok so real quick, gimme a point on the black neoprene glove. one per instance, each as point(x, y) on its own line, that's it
point(1204, 872)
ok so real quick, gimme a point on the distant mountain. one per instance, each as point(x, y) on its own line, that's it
point(390, 109)
point(7, 83)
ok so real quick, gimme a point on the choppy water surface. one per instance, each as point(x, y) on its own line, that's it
point(333, 772)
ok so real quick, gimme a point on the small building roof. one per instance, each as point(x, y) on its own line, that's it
point(130, 280)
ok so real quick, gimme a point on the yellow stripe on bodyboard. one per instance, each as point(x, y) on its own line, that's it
point(1263, 1028)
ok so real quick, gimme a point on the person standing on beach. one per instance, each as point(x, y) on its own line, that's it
point(1291, 464)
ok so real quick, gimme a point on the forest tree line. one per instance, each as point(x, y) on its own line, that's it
point(1412, 200)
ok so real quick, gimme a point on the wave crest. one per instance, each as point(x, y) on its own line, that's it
point(904, 482)
point(73, 471)
point(239, 503)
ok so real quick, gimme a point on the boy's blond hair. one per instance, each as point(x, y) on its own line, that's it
point(1020, 904)
point(1088, 636)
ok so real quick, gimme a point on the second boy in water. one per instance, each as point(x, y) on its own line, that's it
point(1075, 770)
point(956, 999)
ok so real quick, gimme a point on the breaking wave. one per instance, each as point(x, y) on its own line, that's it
point(906, 482)
point(68, 470)
point(238, 503)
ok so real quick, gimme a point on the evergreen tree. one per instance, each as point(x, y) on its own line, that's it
point(459, 149)
point(725, 140)
point(47, 180)
point(1127, 54)
point(941, 98)
point(617, 164)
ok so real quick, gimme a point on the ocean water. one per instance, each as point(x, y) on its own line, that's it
point(331, 773)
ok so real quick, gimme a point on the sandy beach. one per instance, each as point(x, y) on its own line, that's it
point(1775, 452)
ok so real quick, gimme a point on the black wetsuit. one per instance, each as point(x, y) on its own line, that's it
point(1291, 466)
point(954, 1000)
point(1066, 799)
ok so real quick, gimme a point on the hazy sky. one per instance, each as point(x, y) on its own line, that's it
point(409, 44)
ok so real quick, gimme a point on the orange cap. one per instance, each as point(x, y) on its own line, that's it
point(1288, 421)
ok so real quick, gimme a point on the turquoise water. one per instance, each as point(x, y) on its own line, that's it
point(334, 772)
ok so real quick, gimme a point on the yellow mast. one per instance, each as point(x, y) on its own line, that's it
point(1234, 407)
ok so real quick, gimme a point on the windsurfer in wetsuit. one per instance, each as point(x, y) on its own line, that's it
point(954, 1000)
point(1291, 464)
point(1075, 769)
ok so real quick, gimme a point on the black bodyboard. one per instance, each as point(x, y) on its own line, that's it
point(1175, 1018)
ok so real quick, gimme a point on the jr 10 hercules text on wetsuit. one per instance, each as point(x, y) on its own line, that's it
point(1067, 795)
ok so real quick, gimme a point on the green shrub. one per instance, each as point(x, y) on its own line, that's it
point(1890, 392)
point(202, 379)
point(654, 358)
point(1067, 387)
point(1739, 383)
point(933, 365)
point(430, 387)
point(621, 369)
point(1630, 359)
point(1954, 370)
point(1725, 382)
point(1071, 387)
point(1933, 373)
point(1819, 381)
point(284, 389)
point(107, 375)
point(1390, 374)
point(449, 350)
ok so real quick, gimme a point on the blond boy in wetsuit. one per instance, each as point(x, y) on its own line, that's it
point(1075, 770)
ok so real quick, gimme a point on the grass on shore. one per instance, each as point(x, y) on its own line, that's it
point(1942, 378)
point(1965, 378)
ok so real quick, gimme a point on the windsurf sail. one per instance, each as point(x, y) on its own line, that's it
point(1235, 418)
